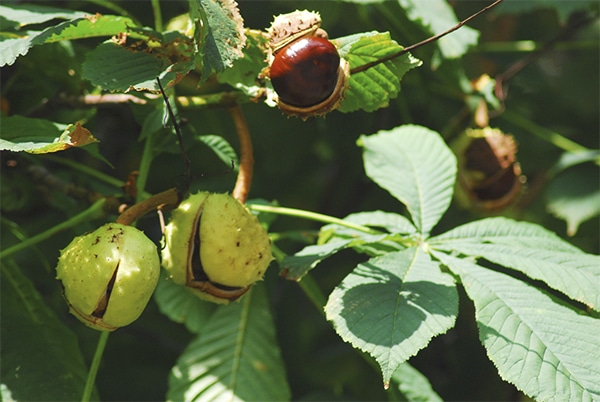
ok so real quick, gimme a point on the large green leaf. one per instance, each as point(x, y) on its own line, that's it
point(372, 89)
point(40, 356)
point(551, 260)
point(415, 165)
point(234, 358)
point(391, 306)
point(547, 350)
point(39, 136)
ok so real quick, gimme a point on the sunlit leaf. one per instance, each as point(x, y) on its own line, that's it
point(437, 16)
point(416, 166)
point(547, 350)
point(532, 250)
point(374, 88)
point(391, 306)
point(26, 14)
point(235, 357)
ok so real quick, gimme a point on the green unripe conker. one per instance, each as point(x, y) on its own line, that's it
point(215, 247)
point(109, 275)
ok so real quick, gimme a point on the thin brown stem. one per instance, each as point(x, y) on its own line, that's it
point(169, 198)
point(244, 177)
point(410, 48)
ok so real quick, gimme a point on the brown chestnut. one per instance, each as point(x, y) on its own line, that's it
point(305, 72)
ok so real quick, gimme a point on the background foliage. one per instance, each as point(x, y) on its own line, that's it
point(551, 108)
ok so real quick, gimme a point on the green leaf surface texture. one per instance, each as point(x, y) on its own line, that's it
point(414, 164)
point(225, 38)
point(26, 14)
point(222, 148)
point(234, 358)
point(546, 349)
point(182, 306)
point(390, 221)
point(34, 344)
point(372, 89)
point(532, 250)
point(414, 385)
point(391, 306)
point(297, 265)
point(116, 68)
point(438, 16)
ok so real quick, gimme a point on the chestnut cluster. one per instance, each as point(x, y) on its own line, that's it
point(213, 246)
point(305, 68)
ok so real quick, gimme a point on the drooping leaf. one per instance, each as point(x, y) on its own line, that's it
point(26, 14)
point(372, 89)
point(547, 350)
point(124, 68)
point(235, 357)
point(39, 136)
point(570, 159)
point(414, 385)
point(225, 38)
point(533, 250)
point(574, 196)
point(15, 45)
point(294, 267)
point(415, 165)
point(182, 306)
point(221, 148)
point(34, 344)
point(391, 306)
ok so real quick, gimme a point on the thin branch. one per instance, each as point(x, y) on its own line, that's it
point(186, 160)
point(169, 198)
point(244, 178)
point(410, 48)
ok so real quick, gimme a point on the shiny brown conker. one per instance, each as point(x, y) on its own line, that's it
point(305, 72)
